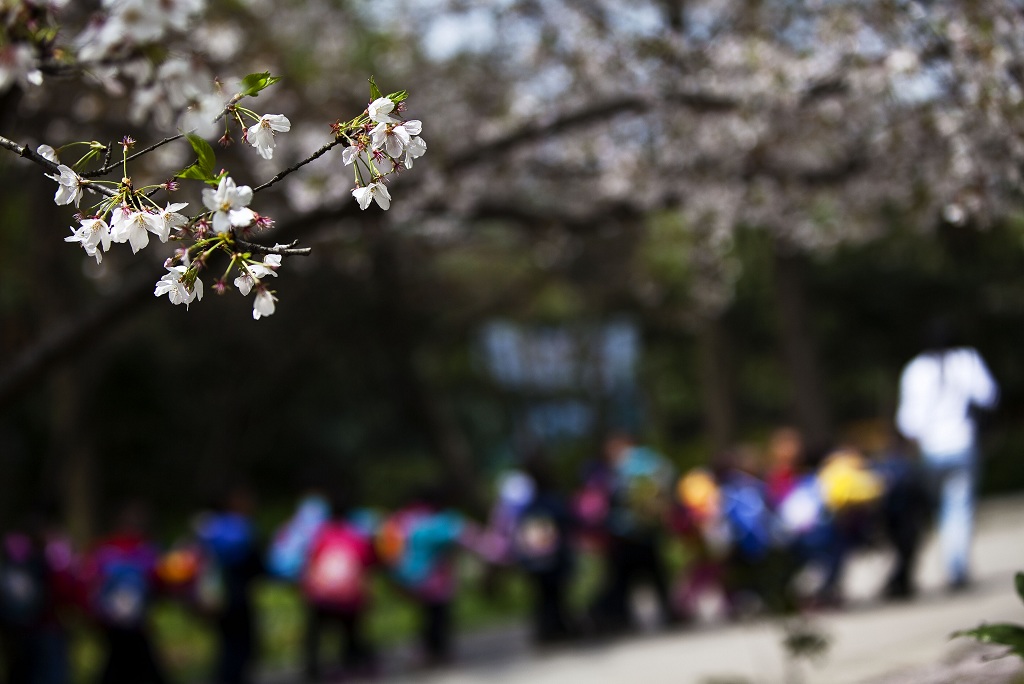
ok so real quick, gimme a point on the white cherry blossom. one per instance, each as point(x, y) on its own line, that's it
point(350, 154)
point(134, 227)
point(230, 204)
point(271, 263)
point(379, 109)
point(70, 186)
point(172, 285)
point(261, 135)
point(264, 304)
point(244, 283)
point(254, 272)
point(416, 148)
point(392, 138)
point(91, 234)
point(171, 219)
point(48, 153)
point(373, 192)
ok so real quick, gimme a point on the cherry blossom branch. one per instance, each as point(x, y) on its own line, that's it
point(33, 156)
point(130, 215)
point(28, 153)
point(108, 167)
point(295, 167)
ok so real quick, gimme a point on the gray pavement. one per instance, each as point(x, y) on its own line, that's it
point(870, 641)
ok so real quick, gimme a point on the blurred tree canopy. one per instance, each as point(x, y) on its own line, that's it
point(778, 194)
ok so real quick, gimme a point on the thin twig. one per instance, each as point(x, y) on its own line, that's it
point(110, 167)
point(285, 250)
point(235, 99)
point(291, 169)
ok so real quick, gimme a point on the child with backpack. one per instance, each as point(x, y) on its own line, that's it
point(418, 544)
point(120, 579)
point(542, 549)
point(754, 574)
point(231, 561)
point(335, 584)
point(638, 507)
point(697, 521)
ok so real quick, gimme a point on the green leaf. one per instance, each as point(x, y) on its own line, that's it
point(400, 96)
point(254, 83)
point(374, 90)
point(205, 156)
point(1018, 581)
point(206, 160)
point(193, 172)
point(1005, 634)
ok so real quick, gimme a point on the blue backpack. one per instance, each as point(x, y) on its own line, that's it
point(228, 540)
point(123, 592)
point(748, 517)
point(640, 499)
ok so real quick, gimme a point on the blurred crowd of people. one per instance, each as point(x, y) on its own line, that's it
point(767, 531)
point(760, 532)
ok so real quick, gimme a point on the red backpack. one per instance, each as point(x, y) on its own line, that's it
point(335, 575)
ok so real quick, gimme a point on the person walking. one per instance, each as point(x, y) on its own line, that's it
point(940, 391)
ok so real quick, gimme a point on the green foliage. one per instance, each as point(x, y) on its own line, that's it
point(254, 83)
point(206, 160)
point(803, 641)
point(1001, 633)
point(374, 90)
point(396, 97)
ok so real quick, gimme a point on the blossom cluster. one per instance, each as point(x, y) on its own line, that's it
point(381, 146)
point(378, 145)
point(108, 44)
point(126, 23)
point(127, 223)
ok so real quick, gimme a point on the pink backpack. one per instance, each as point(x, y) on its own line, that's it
point(335, 575)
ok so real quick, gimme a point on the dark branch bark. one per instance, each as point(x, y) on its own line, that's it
point(589, 114)
point(295, 167)
point(33, 156)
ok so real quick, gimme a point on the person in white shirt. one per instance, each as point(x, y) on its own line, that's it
point(939, 392)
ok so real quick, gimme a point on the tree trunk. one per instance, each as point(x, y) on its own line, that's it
point(72, 454)
point(715, 374)
point(810, 404)
point(423, 402)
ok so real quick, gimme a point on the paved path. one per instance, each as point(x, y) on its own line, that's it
point(871, 642)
